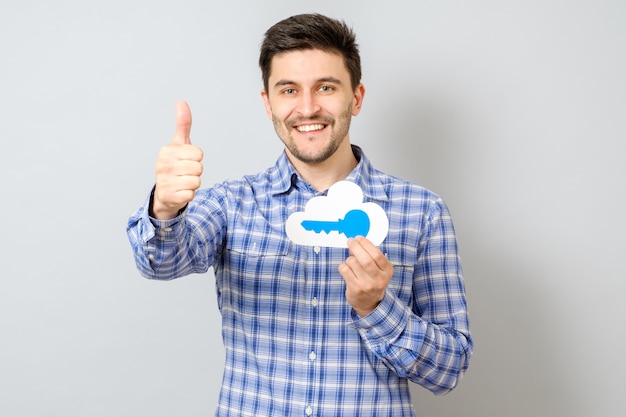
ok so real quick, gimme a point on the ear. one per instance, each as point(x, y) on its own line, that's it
point(266, 102)
point(357, 99)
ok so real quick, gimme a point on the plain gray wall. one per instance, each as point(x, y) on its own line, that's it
point(514, 112)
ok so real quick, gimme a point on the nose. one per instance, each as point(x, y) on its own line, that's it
point(308, 104)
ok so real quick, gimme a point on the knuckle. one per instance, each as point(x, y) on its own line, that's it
point(352, 262)
point(368, 263)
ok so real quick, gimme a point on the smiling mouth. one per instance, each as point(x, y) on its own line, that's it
point(310, 128)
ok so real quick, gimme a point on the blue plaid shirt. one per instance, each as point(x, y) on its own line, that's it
point(294, 346)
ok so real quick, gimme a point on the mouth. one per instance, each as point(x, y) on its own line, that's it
point(310, 128)
point(313, 127)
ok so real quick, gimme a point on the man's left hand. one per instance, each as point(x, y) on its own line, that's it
point(366, 272)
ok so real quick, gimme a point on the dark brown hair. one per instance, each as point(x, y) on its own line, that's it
point(311, 31)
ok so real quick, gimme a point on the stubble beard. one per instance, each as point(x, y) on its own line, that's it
point(339, 131)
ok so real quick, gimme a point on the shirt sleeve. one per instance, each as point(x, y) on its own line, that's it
point(428, 342)
point(169, 249)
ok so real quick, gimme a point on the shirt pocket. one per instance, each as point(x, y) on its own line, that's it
point(260, 276)
point(401, 284)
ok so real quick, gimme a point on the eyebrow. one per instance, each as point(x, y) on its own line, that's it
point(329, 79)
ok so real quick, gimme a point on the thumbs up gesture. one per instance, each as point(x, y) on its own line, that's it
point(178, 169)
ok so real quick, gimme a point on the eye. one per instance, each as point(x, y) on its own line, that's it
point(289, 91)
point(326, 88)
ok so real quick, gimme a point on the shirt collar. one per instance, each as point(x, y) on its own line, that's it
point(367, 177)
point(283, 176)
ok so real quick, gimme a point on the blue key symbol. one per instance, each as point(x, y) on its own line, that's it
point(355, 223)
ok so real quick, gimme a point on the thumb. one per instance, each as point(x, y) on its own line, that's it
point(183, 124)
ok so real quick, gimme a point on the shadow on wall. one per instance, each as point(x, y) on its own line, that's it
point(517, 368)
point(419, 140)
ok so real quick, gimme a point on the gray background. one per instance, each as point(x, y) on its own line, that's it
point(514, 112)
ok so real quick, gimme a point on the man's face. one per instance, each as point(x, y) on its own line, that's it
point(311, 102)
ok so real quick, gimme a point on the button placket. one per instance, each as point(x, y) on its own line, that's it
point(315, 266)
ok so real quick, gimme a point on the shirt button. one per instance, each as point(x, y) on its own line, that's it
point(167, 229)
point(308, 411)
point(312, 356)
point(151, 257)
point(317, 250)
point(314, 302)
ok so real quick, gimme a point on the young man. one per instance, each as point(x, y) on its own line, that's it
point(310, 330)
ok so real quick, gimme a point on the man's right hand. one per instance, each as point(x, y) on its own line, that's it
point(178, 169)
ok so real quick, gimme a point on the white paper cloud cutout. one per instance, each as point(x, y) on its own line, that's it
point(328, 212)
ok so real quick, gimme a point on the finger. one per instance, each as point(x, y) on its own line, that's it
point(188, 183)
point(187, 153)
point(182, 134)
point(366, 254)
point(346, 271)
point(189, 168)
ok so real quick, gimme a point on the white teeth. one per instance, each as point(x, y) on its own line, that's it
point(309, 128)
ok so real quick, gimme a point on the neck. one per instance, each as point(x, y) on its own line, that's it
point(324, 174)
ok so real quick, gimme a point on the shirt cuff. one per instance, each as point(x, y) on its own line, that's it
point(168, 229)
point(385, 323)
point(165, 229)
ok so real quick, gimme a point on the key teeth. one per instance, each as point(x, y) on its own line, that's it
point(308, 225)
point(345, 226)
